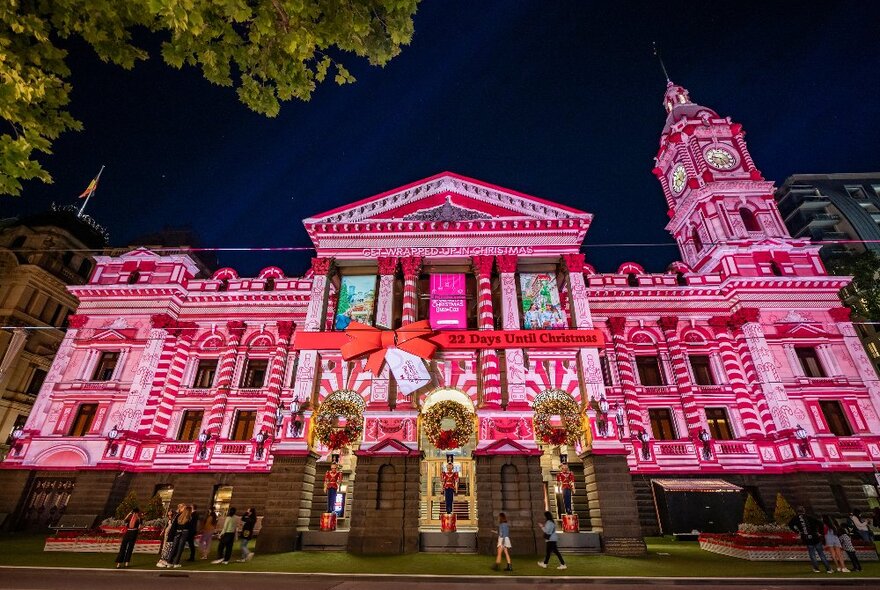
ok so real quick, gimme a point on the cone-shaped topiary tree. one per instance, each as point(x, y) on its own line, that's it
point(130, 502)
point(154, 508)
point(752, 513)
point(783, 512)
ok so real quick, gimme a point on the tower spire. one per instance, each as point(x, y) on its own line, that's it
point(662, 65)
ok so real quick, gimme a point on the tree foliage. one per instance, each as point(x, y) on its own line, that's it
point(863, 294)
point(154, 508)
point(752, 513)
point(270, 50)
point(129, 503)
point(783, 513)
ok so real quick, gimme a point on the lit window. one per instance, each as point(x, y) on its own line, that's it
point(254, 374)
point(205, 374)
point(82, 423)
point(835, 418)
point(719, 424)
point(661, 424)
point(190, 425)
point(872, 348)
point(106, 366)
point(649, 370)
point(244, 425)
point(702, 370)
point(809, 362)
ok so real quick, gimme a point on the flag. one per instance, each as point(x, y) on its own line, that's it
point(91, 188)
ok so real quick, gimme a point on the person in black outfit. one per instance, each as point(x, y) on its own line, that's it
point(133, 522)
point(180, 530)
point(191, 542)
point(809, 529)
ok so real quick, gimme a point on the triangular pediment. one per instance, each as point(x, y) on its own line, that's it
point(507, 446)
point(447, 197)
point(113, 334)
point(387, 447)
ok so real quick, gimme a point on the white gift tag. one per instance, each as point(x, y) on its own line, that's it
point(409, 370)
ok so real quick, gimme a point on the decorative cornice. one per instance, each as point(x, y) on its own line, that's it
point(506, 263)
point(236, 328)
point(411, 265)
point(387, 265)
point(617, 325)
point(574, 263)
point(77, 321)
point(840, 314)
point(668, 323)
point(746, 315)
point(446, 212)
point(322, 266)
point(285, 329)
point(483, 265)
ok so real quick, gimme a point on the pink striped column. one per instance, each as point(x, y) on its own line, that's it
point(738, 320)
point(276, 377)
point(682, 377)
point(625, 369)
point(225, 370)
point(514, 363)
point(184, 332)
point(412, 266)
point(490, 370)
point(744, 402)
point(162, 327)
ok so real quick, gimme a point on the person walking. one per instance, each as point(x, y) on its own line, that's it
point(808, 528)
point(227, 538)
point(167, 540)
point(832, 541)
point(180, 532)
point(191, 542)
point(847, 544)
point(206, 533)
point(503, 542)
point(133, 523)
point(552, 538)
point(861, 526)
point(248, 521)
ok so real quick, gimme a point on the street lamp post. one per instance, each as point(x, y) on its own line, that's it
point(112, 446)
point(204, 437)
point(17, 433)
point(803, 443)
point(705, 438)
point(644, 439)
point(260, 438)
point(603, 415)
point(618, 418)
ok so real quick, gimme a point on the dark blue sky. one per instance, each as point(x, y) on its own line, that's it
point(556, 99)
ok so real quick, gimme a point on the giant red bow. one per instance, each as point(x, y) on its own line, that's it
point(366, 339)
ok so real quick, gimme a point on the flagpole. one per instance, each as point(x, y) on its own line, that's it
point(91, 192)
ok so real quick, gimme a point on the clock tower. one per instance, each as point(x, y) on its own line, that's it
point(722, 212)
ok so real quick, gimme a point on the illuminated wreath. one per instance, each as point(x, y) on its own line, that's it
point(433, 417)
point(343, 403)
point(556, 402)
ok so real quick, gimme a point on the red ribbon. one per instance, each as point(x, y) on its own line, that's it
point(365, 339)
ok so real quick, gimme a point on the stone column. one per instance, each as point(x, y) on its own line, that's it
point(225, 372)
point(289, 489)
point(522, 500)
point(609, 487)
point(412, 266)
point(307, 370)
point(626, 370)
point(16, 344)
point(385, 509)
point(760, 369)
point(38, 417)
point(588, 358)
point(695, 422)
point(489, 369)
point(276, 377)
point(863, 364)
point(744, 402)
point(513, 357)
point(385, 296)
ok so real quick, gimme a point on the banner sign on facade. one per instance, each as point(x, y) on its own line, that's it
point(448, 303)
point(357, 297)
point(542, 309)
point(471, 339)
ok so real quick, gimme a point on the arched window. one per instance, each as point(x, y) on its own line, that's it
point(749, 219)
point(385, 488)
point(269, 285)
point(509, 488)
point(134, 277)
point(774, 268)
point(632, 280)
point(85, 268)
point(680, 279)
point(224, 284)
point(698, 243)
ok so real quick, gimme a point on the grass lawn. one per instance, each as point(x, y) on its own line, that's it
point(665, 558)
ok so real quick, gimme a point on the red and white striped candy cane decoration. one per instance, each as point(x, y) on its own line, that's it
point(164, 325)
point(276, 376)
point(627, 374)
point(744, 402)
point(224, 378)
point(490, 369)
point(412, 266)
point(682, 376)
point(185, 332)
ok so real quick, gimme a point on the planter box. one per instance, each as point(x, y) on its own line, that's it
point(774, 550)
point(98, 545)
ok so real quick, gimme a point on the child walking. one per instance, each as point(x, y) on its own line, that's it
point(503, 542)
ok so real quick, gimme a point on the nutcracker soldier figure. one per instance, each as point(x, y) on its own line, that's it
point(565, 481)
point(450, 488)
point(331, 486)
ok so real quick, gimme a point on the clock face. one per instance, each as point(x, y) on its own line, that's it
point(679, 176)
point(720, 158)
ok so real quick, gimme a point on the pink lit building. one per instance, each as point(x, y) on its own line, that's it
point(737, 368)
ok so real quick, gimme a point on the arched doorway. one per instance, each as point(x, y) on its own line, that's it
point(447, 410)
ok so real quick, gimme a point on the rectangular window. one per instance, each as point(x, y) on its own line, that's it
point(82, 423)
point(190, 425)
point(809, 361)
point(719, 424)
point(649, 370)
point(243, 428)
point(106, 366)
point(254, 374)
point(702, 370)
point(36, 382)
point(872, 349)
point(606, 371)
point(57, 314)
point(661, 424)
point(835, 418)
point(205, 374)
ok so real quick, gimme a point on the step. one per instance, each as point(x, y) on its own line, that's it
point(437, 542)
point(323, 540)
point(579, 543)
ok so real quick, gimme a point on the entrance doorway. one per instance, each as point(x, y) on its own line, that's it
point(220, 501)
point(433, 504)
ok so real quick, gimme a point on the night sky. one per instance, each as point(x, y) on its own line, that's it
point(561, 100)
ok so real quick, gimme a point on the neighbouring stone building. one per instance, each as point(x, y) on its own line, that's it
point(451, 320)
